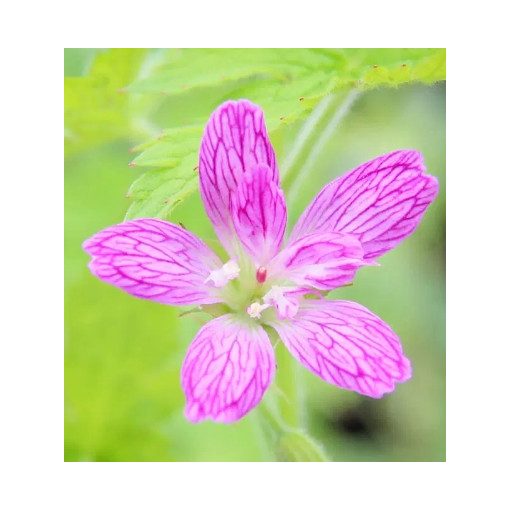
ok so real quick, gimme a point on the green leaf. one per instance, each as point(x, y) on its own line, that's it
point(286, 83)
point(157, 192)
point(170, 148)
point(414, 66)
point(175, 156)
point(184, 70)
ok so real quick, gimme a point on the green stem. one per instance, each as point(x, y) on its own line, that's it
point(337, 110)
point(284, 443)
point(303, 138)
point(289, 383)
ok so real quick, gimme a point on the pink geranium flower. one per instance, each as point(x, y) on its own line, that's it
point(266, 282)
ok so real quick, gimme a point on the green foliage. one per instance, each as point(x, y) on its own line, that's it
point(95, 108)
point(297, 446)
point(184, 70)
point(159, 191)
point(287, 83)
point(116, 388)
point(116, 98)
point(156, 193)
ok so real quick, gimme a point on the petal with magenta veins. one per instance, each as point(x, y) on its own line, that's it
point(346, 345)
point(235, 140)
point(322, 261)
point(154, 259)
point(227, 369)
point(259, 214)
point(381, 202)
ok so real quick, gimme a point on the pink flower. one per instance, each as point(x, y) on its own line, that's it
point(267, 283)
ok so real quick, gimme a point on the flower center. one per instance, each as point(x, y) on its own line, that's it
point(248, 290)
point(280, 298)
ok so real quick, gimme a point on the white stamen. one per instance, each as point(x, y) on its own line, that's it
point(220, 277)
point(255, 309)
point(276, 293)
point(286, 307)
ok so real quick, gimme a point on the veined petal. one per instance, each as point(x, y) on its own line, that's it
point(154, 259)
point(381, 202)
point(347, 345)
point(322, 261)
point(227, 369)
point(259, 214)
point(235, 140)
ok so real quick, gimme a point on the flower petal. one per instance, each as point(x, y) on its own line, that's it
point(235, 140)
point(323, 261)
point(381, 202)
point(347, 345)
point(227, 369)
point(259, 214)
point(154, 259)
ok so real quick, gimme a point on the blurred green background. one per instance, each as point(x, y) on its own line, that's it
point(123, 400)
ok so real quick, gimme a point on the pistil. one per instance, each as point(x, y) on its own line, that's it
point(261, 274)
